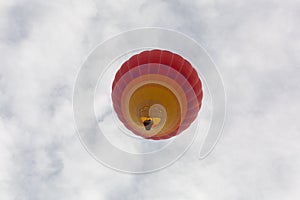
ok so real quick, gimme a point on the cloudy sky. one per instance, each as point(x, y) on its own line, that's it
point(255, 45)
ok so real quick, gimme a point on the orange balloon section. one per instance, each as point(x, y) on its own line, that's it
point(157, 94)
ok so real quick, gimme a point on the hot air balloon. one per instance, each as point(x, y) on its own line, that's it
point(157, 94)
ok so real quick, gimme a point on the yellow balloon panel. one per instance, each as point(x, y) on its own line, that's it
point(150, 94)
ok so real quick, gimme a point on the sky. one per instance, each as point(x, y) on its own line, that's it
point(255, 45)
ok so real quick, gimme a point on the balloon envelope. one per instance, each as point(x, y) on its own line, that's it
point(157, 94)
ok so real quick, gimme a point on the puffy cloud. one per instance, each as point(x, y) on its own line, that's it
point(255, 45)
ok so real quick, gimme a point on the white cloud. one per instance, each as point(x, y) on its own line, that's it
point(255, 45)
